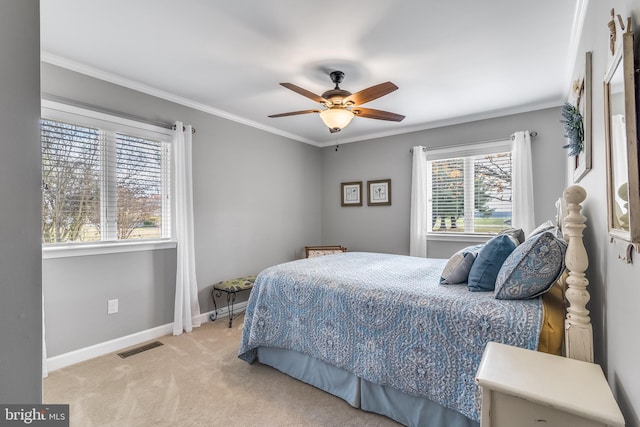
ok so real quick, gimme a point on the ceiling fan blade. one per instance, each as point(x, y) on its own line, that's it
point(304, 92)
point(369, 94)
point(371, 113)
point(294, 113)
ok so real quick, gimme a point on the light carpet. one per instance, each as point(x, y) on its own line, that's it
point(193, 380)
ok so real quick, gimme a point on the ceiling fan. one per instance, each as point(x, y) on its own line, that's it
point(341, 105)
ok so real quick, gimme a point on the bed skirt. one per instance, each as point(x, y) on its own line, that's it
point(334, 380)
point(399, 406)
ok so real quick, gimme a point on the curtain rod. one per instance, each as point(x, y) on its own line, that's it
point(533, 133)
point(92, 107)
point(193, 130)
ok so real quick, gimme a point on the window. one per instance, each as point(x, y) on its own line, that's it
point(469, 188)
point(104, 178)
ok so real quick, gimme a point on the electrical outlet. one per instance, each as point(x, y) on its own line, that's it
point(112, 306)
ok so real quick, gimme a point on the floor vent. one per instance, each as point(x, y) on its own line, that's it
point(140, 349)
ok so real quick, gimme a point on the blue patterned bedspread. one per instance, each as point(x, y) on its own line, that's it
point(386, 319)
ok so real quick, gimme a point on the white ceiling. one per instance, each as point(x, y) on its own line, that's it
point(453, 61)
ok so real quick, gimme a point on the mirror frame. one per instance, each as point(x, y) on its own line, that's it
point(624, 57)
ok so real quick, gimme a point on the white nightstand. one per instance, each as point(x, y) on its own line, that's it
point(528, 388)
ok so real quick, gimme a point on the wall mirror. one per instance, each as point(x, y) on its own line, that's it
point(623, 196)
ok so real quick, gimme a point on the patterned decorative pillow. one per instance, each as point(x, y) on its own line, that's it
point(457, 269)
point(483, 273)
point(532, 268)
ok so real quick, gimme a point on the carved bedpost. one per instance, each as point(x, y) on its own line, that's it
point(577, 325)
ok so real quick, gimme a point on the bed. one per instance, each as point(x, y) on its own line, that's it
point(381, 332)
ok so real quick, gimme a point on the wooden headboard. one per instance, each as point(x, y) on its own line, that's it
point(578, 331)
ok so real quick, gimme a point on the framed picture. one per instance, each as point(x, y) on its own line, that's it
point(582, 98)
point(351, 193)
point(379, 192)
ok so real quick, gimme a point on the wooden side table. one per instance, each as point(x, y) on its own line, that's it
point(231, 288)
point(527, 388)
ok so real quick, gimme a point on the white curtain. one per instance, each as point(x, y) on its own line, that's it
point(418, 220)
point(187, 309)
point(523, 215)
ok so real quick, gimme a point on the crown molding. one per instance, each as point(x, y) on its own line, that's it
point(450, 122)
point(149, 90)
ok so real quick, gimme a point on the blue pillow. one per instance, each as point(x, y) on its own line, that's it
point(457, 269)
point(483, 273)
point(532, 268)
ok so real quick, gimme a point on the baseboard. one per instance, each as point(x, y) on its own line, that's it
point(223, 312)
point(117, 344)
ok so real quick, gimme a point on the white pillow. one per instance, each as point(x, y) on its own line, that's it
point(545, 226)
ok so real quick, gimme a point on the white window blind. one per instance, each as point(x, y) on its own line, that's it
point(99, 184)
point(470, 189)
point(139, 176)
point(71, 178)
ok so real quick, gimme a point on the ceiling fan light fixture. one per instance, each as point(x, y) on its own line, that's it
point(336, 118)
point(341, 105)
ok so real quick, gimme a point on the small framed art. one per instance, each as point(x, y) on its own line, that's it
point(379, 192)
point(351, 193)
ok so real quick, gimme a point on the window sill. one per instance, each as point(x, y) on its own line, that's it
point(103, 248)
point(459, 237)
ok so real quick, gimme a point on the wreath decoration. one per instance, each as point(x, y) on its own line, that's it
point(573, 129)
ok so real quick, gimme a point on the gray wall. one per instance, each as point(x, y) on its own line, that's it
point(20, 282)
point(77, 290)
point(386, 228)
point(255, 205)
point(614, 285)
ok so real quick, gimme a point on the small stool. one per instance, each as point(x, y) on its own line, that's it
point(231, 288)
